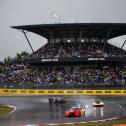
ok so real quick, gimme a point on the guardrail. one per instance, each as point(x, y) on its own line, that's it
point(61, 92)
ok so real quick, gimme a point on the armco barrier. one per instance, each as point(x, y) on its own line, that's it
point(61, 92)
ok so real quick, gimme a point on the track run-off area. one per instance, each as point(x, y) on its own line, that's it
point(36, 109)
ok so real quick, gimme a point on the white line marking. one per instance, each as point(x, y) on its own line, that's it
point(14, 109)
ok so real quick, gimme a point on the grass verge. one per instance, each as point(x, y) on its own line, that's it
point(106, 123)
point(4, 110)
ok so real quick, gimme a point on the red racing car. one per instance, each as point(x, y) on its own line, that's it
point(75, 112)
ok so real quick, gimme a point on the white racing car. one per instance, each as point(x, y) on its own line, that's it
point(98, 103)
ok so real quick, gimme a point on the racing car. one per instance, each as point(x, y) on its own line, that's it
point(98, 103)
point(76, 111)
point(57, 100)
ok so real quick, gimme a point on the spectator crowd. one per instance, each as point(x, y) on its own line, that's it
point(78, 49)
point(22, 76)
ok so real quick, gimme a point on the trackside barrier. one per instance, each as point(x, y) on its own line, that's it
point(61, 92)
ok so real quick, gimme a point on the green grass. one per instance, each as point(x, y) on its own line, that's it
point(4, 110)
point(106, 123)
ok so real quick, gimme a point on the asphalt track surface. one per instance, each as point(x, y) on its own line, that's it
point(37, 110)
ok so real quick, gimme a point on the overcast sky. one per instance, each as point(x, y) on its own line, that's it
point(25, 12)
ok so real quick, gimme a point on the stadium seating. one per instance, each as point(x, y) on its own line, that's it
point(21, 76)
point(76, 49)
point(78, 76)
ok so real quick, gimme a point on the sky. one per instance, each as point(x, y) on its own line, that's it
point(26, 12)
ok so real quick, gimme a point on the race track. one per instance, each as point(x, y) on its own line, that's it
point(37, 110)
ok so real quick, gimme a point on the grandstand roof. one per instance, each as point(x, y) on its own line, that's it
point(70, 30)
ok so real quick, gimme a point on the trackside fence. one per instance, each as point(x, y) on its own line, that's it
point(60, 92)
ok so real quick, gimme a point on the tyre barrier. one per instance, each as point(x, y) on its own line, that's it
point(61, 92)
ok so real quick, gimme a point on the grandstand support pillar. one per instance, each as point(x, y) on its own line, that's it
point(80, 39)
point(80, 34)
point(109, 31)
point(123, 44)
point(50, 33)
point(27, 40)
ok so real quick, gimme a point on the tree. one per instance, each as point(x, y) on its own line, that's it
point(24, 55)
point(19, 58)
point(8, 60)
point(1, 69)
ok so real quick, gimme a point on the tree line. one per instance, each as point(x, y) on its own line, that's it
point(19, 58)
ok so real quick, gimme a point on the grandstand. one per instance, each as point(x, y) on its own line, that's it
point(77, 55)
